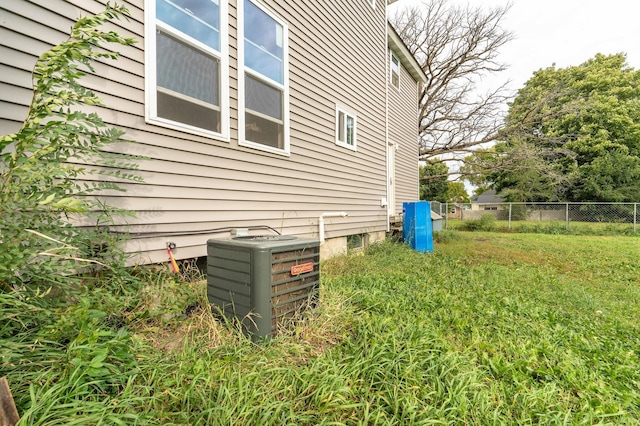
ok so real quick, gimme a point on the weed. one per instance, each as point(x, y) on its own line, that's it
point(445, 237)
point(489, 329)
point(487, 222)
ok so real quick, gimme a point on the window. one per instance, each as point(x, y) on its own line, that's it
point(395, 71)
point(372, 3)
point(346, 128)
point(263, 88)
point(356, 241)
point(187, 66)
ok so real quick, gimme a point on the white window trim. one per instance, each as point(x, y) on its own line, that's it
point(391, 67)
point(151, 105)
point(347, 112)
point(241, 81)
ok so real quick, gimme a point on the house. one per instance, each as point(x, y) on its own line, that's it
point(252, 114)
point(488, 200)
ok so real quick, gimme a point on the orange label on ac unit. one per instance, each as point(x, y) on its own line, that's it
point(301, 269)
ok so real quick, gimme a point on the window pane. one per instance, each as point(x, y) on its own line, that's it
point(183, 111)
point(341, 126)
point(199, 19)
point(395, 71)
point(263, 98)
point(185, 70)
point(263, 43)
point(350, 129)
point(264, 131)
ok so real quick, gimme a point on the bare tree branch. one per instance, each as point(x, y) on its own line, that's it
point(456, 48)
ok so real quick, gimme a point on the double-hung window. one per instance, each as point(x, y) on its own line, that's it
point(263, 87)
point(187, 66)
point(346, 128)
point(395, 71)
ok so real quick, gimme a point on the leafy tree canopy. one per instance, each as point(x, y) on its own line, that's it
point(434, 185)
point(570, 134)
point(456, 192)
point(433, 181)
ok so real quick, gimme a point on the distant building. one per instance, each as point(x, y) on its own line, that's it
point(488, 200)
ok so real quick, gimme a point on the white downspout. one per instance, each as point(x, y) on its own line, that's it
point(321, 222)
point(386, 119)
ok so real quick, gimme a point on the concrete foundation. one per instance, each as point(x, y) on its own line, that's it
point(338, 246)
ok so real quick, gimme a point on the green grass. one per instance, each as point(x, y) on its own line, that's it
point(556, 227)
point(489, 329)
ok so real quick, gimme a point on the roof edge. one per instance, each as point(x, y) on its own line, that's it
point(408, 60)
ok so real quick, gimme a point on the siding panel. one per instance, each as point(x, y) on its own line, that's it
point(403, 130)
point(194, 184)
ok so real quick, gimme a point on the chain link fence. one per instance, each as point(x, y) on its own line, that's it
point(570, 216)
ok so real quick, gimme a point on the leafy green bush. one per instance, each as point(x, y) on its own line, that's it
point(519, 212)
point(44, 167)
point(486, 223)
point(66, 355)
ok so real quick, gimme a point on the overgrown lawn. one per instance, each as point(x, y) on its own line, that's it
point(489, 329)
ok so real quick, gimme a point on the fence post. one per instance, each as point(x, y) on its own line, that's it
point(446, 215)
point(566, 217)
point(509, 226)
point(635, 216)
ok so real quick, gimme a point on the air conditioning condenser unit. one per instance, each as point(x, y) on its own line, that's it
point(262, 280)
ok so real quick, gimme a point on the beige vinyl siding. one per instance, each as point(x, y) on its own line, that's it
point(192, 183)
point(403, 130)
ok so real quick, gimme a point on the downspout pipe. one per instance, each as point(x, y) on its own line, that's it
point(321, 222)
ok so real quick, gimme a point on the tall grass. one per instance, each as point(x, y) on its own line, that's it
point(488, 222)
point(489, 329)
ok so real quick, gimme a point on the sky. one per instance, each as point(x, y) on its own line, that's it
point(564, 32)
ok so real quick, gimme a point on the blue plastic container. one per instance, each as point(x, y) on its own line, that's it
point(417, 230)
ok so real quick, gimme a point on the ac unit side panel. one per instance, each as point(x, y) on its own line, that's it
point(283, 309)
point(232, 277)
point(224, 250)
point(293, 292)
point(220, 263)
point(228, 309)
point(261, 292)
point(282, 300)
point(295, 303)
point(283, 279)
point(229, 280)
point(237, 298)
point(281, 290)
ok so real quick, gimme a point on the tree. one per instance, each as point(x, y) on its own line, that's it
point(433, 181)
point(457, 193)
point(44, 166)
point(571, 134)
point(517, 170)
point(456, 47)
